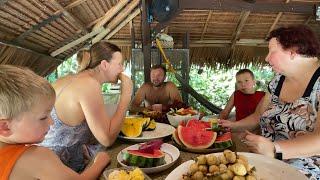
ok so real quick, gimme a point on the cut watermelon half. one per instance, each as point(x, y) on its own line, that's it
point(196, 138)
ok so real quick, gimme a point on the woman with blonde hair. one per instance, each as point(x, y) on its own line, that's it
point(79, 111)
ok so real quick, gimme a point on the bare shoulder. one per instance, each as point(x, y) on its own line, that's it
point(170, 84)
point(38, 153)
point(87, 84)
point(34, 161)
point(145, 86)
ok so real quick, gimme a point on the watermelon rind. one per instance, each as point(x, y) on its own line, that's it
point(143, 160)
point(176, 139)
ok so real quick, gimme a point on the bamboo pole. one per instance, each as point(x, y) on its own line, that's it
point(125, 22)
point(116, 20)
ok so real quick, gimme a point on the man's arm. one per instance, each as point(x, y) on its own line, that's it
point(173, 92)
point(138, 98)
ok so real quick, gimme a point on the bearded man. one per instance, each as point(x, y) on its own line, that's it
point(157, 94)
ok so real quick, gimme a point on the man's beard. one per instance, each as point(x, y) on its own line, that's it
point(157, 85)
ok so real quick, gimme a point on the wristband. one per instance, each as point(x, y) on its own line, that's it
point(277, 151)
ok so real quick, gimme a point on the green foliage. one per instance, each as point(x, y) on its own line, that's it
point(70, 67)
point(215, 85)
point(218, 85)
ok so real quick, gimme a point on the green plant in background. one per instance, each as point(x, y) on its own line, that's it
point(70, 67)
point(215, 85)
point(218, 85)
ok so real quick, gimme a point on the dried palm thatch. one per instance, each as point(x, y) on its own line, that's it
point(51, 31)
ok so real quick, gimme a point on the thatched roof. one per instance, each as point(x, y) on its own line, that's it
point(42, 33)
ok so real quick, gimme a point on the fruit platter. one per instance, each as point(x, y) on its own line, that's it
point(202, 137)
point(150, 157)
point(175, 116)
point(235, 165)
point(125, 173)
point(138, 129)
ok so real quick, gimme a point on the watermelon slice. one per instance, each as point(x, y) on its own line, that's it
point(176, 137)
point(198, 124)
point(196, 137)
point(223, 141)
point(143, 160)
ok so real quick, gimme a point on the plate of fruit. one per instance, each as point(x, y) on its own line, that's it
point(175, 116)
point(202, 137)
point(124, 173)
point(138, 129)
point(232, 165)
point(151, 157)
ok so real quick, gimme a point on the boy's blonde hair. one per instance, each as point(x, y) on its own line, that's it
point(20, 90)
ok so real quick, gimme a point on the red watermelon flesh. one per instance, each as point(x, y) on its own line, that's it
point(198, 124)
point(155, 154)
point(224, 137)
point(196, 138)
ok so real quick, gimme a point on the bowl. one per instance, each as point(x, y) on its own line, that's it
point(176, 119)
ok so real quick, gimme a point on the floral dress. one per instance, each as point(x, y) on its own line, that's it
point(282, 121)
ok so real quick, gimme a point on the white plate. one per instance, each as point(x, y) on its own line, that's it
point(171, 155)
point(267, 168)
point(162, 130)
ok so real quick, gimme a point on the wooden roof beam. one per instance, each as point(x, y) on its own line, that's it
point(206, 25)
point(29, 50)
point(70, 17)
point(74, 4)
point(309, 19)
point(260, 6)
point(125, 22)
point(275, 22)
point(113, 11)
point(21, 37)
point(115, 21)
point(98, 29)
point(243, 18)
point(205, 43)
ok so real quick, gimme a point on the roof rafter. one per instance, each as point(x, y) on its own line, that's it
point(74, 4)
point(29, 50)
point(98, 29)
point(21, 37)
point(261, 6)
point(275, 22)
point(116, 20)
point(125, 22)
point(243, 18)
point(69, 16)
point(206, 25)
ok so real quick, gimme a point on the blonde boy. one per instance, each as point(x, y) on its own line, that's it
point(26, 100)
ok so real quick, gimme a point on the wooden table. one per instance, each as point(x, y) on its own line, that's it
point(184, 156)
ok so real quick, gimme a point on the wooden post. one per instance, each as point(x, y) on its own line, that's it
point(133, 63)
point(146, 40)
point(185, 67)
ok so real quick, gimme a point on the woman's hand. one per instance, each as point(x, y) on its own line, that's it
point(126, 84)
point(259, 144)
point(102, 157)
